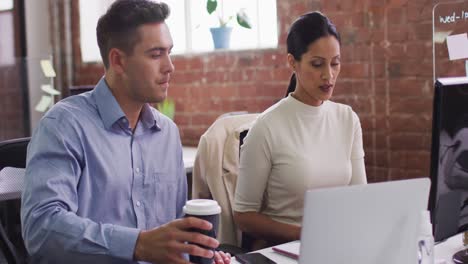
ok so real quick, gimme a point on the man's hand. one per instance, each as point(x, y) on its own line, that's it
point(222, 258)
point(166, 244)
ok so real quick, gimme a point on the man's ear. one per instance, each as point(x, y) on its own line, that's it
point(117, 60)
point(291, 62)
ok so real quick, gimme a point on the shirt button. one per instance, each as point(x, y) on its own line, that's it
point(138, 203)
point(137, 170)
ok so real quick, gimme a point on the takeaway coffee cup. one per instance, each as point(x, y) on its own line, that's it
point(208, 210)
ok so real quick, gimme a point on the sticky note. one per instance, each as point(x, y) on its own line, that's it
point(441, 36)
point(48, 89)
point(458, 46)
point(44, 103)
point(47, 68)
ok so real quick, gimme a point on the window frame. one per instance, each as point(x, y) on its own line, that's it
point(188, 49)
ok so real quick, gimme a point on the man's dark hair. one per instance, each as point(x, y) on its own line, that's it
point(117, 28)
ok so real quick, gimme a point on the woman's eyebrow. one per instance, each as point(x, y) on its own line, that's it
point(322, 58)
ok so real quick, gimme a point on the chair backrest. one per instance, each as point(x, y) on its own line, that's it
point(233, 114)
point(13, 152)
point(247, 240)
point(216, 167)
point(12, 156)
point(242, 136)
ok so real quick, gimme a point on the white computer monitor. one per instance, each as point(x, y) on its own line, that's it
point(365, 224)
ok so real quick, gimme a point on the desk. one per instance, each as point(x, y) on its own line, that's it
point(278, 258)
point(443, 252)
point(11, 179)
point(189, 158)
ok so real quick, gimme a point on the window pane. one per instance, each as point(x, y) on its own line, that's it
point(190, 25)
point(176, 24)
point(6, 5)
point(264, 31)
point(201, 22)
point(268, 25)
point(93, 10)
point(243, 38)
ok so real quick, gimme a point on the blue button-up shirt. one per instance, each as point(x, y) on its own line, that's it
point(92, 184)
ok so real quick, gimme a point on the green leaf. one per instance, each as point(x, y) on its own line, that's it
point(211, 6)
point(243, 19)
point(167, 107)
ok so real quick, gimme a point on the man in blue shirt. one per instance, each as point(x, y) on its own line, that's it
point(105, 180)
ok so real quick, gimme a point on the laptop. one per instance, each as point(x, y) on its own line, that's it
point(365, 224)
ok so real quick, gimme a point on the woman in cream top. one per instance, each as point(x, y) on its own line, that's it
point(303, 142)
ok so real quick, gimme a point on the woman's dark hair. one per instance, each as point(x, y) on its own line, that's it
point(304, 31)
point(117, 28)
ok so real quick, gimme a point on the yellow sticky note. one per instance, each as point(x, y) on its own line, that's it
point(44, 103)
point(47, 68)
point(48, 89)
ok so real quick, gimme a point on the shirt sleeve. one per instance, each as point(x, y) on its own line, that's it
point(254, 170)
point(357, 155)
point(49, 201)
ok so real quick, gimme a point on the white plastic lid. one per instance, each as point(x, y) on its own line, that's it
point(425, 223)
point(202, 207)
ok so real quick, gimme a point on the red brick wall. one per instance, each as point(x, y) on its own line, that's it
point(386, 77)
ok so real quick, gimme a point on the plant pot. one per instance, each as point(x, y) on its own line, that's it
point(221, 37)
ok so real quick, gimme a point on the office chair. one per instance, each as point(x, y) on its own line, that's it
point(215, 173)
point(247, 240)
point(12, 155)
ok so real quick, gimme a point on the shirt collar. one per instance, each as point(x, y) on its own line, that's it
point(149, 118)
point(304, 108)
point(110, 111)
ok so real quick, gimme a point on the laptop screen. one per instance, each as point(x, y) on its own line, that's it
point(366, 224)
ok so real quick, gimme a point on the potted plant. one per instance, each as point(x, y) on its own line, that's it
point(167, 108)
point(222, 34)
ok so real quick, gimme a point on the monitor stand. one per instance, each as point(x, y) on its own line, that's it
point(461, 257)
